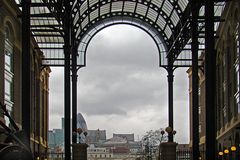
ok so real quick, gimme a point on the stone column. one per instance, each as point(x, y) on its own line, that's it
point(168, 151)
point(79, 151)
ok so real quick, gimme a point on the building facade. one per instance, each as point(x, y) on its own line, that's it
point(227, 82)
point(227, 78)
point(119, 147)
point(96, 137)
point(11, 77)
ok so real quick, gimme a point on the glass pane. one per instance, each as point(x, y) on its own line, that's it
point(8, 56)
point(141, 9)
point(92, 2)
point(7, 90)
point(83, 7)
point(167, 8)
point(117, 6)
point(157, 2)
point(105, 9)
point(7, 61)
point(7, 122)
point(152, 14)
point(129, 6)
point(182, 4)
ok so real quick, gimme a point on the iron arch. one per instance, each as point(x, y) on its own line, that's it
point(156, 37)
point(163, 15)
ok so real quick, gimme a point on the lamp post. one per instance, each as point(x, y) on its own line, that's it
point(220, 155)
point(233, 151)
point(80, 148)
point(226, 153)
point(168, 149)
point(169, 131)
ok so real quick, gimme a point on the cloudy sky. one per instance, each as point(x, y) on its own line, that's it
point(122, 89)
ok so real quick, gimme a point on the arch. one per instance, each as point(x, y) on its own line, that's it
point(163, 15)
point(8, 27)
point(169, 18)
point(9, 39)
point(85, 40)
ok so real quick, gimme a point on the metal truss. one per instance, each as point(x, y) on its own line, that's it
point(168, 20)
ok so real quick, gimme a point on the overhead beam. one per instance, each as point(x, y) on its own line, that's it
point(47, 30)
point(54, 48)
point(35, 4)
point(195, 80)
point(46, 35)
point(46, 25)
point(42, 15)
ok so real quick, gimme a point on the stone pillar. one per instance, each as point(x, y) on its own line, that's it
point(168, 151)
point(79, 151)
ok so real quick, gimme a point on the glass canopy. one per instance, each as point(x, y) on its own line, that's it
point(163, 20)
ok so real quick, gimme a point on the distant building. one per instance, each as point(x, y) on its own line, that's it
point(120, 147)
point(116, 142)
point(96, 136)
point(56, 138)
point(135, 147)
point(81, 123)
point(128, 137)
point(95, 153)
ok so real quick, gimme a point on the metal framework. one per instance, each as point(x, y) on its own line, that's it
point(64, 28)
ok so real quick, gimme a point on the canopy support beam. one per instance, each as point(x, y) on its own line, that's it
point(170, 101)
point(210, 65)
point(67, 82)
point(26, 57)
point(195, 80)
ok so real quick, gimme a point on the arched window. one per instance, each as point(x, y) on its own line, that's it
point(8, 71)
point(237, 62)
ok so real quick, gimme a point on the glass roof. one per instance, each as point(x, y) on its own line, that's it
point(163, 15)
point(161, 19)
point(185, 56)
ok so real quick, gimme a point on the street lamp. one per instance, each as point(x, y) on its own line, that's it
point(226, 151)
point(233, 151)
point(220, 154)
point(233, 148)
point(169, 131)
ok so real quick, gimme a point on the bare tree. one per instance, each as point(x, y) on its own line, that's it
point(151, 142)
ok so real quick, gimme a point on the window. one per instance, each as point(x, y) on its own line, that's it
point(200, 128)
point(236, 64)
point(8, 72)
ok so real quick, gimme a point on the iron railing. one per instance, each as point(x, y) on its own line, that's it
point(187, 155)
point(51, 156)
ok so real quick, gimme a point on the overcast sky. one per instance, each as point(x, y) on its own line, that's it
point(122, 89)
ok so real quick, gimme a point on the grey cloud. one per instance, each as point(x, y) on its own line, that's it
point(123, 83)
point(130, 92)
